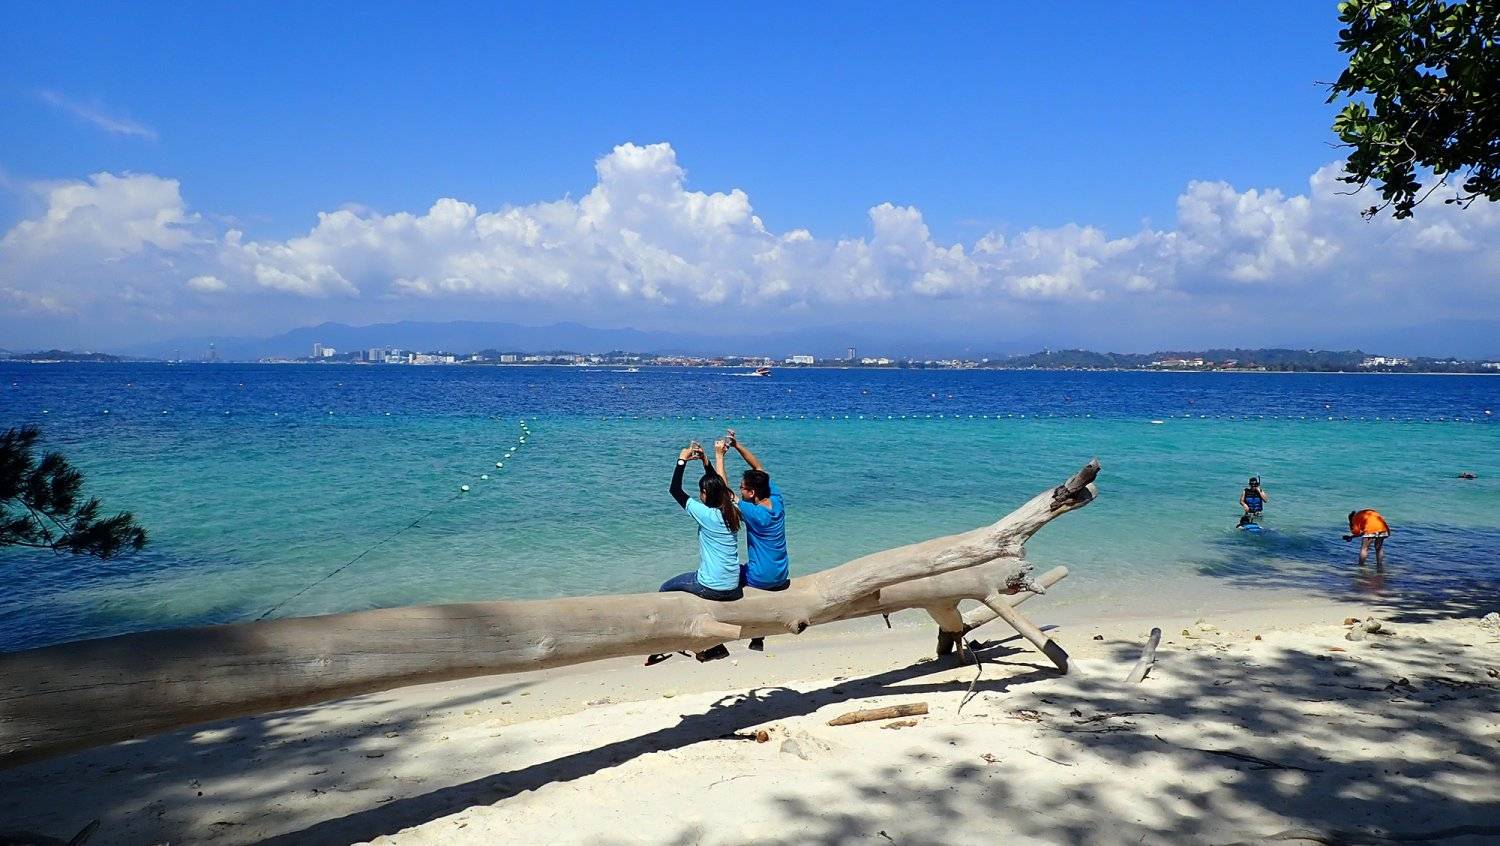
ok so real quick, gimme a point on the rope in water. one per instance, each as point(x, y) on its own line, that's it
point(393, 535)
point(356, 558)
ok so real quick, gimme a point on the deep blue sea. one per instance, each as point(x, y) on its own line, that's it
point(255, 481)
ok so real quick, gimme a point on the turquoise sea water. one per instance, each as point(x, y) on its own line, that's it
point(255, 481)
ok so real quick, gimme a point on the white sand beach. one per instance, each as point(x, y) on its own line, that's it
point(1252, 723)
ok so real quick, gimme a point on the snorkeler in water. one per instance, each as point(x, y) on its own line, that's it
point(1253, 499)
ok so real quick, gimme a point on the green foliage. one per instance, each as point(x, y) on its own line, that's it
point(60, 355)
point(40, 505)
point(1424, 88)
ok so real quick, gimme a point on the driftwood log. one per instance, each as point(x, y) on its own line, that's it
point(889, 712)
point(76, 695)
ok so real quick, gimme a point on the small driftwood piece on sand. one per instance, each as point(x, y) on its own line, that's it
point(76, 695)
point(1148, 657)
point(889, 712)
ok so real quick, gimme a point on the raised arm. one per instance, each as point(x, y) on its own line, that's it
point(676, 489)
point(720, 448)
point(745, 453)
point(702, 456)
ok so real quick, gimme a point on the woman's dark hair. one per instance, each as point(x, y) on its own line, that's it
point(716, 495)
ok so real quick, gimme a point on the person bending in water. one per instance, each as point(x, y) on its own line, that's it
point(1253, 500)
point(718, 575)
point(764, 514)
point(1369, 526)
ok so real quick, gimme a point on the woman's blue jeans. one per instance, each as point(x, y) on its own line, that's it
point(688, 583)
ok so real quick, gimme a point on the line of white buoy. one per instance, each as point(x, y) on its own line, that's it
point(509, 453)
point(463, 489)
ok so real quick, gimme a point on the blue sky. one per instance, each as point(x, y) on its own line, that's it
point(988, 121)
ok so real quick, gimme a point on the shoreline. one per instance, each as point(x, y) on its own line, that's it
point(506, 758)
point(891, 368)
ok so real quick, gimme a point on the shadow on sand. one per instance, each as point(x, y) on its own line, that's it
point(1299, 777)
point(1306, 770)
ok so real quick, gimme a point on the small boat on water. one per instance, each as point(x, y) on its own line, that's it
point(759, 371)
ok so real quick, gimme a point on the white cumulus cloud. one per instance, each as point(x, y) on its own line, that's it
point(107, 215)
point(640, 241)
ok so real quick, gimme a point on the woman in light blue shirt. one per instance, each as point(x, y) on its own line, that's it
point(718, 517)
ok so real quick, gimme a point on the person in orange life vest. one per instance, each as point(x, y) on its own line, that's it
point(1368, 525)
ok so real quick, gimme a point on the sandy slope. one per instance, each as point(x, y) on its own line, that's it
point(614, 753)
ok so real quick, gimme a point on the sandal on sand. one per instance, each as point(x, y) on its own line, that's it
point(720, 651)
point(658, 657)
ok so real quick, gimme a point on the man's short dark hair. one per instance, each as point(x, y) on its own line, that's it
point(759, 483)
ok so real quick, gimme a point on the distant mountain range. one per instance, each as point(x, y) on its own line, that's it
point(462, 336)
point(1474, 339)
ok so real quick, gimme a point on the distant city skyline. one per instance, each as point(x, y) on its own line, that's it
point(996, 178)
point(826, 343)
point(1225, 360)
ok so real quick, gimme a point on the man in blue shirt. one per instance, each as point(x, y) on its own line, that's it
point(764, 515)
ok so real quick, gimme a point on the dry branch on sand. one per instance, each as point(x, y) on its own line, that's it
point(889, 712)
point(77, 695)
point(1148, 658)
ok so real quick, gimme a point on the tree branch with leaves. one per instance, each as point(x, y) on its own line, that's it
point(41, 504)
point(1423, 85)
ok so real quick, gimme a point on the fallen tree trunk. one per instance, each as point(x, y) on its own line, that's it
point(72, 696)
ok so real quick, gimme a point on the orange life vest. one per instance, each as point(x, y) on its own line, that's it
point(1367, 522)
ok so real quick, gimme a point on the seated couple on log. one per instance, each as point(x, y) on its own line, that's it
point(718, 514)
